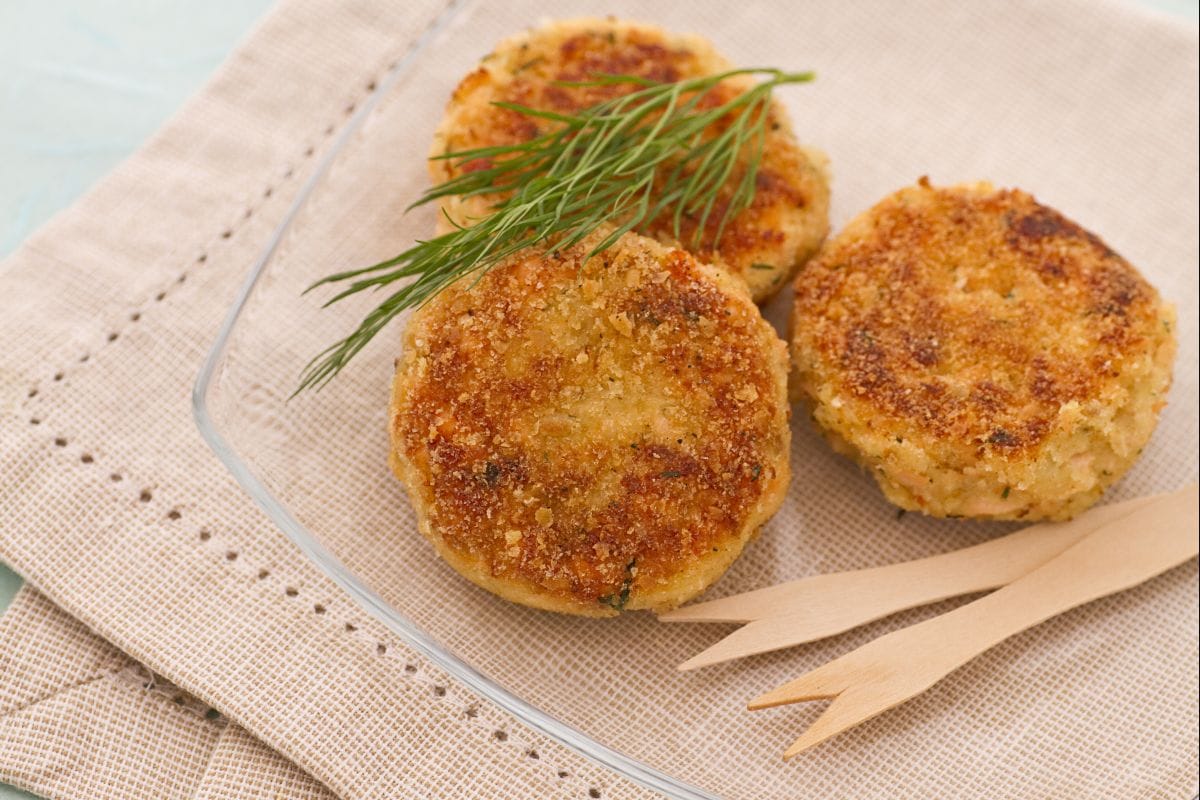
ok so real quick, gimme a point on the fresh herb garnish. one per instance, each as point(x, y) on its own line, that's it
point(656, 151)
point(620, 598)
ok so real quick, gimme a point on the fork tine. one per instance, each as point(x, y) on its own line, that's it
point(767, 634)
point(855, 706)
point(841, 715)
point(742, 607)
point(900, 665)
point(828, 680)
point(744, 641)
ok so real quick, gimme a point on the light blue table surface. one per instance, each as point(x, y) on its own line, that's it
point(84, 82)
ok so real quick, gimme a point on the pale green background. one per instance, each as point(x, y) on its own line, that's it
point(82, 84)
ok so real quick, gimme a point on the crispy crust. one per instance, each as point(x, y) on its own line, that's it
point(983, 355)
point(586, 436)
point(764, 245)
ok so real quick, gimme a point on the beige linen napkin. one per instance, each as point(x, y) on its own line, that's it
point(80, 719)
point(114, 509)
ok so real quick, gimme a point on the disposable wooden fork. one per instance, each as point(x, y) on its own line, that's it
point(814, 608)
point(895, 667)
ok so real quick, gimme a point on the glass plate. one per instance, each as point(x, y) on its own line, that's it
point(607, 688)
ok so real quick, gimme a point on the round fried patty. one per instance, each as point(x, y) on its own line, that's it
point(592, 436)
point(763, 245)
point(980, 353)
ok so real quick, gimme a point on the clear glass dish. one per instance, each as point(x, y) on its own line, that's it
point(607, 688)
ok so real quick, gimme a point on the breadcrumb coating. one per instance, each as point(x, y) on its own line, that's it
point(980, 353)
point(592, 436)
point(763, 245)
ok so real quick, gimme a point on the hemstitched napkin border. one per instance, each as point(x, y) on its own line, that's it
point(81, 327)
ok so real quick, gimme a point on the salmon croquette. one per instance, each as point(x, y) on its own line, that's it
point(589, 436)
point(763, 245)
point(981, 354)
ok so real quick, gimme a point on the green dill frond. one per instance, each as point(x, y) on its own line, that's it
point(653, 152)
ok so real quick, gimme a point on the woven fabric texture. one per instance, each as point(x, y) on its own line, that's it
point(112, 506)
point(76, 715)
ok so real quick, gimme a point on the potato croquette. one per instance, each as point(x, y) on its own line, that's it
point(592, 436)
point(763, 245)
point(981, 354)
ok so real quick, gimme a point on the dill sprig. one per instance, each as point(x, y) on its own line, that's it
point(654, 151)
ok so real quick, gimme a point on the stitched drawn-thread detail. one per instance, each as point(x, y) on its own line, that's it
point(468, 712)
point(227, 233)
point(139, 677)
point(137, 674)
point(134, 675)
point(469, 709)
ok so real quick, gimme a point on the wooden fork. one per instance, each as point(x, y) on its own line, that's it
point(893, 668)
point(806, 610)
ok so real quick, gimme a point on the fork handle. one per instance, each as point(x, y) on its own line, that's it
point(839, 601)
point(903, 663)
point(1113, 558)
